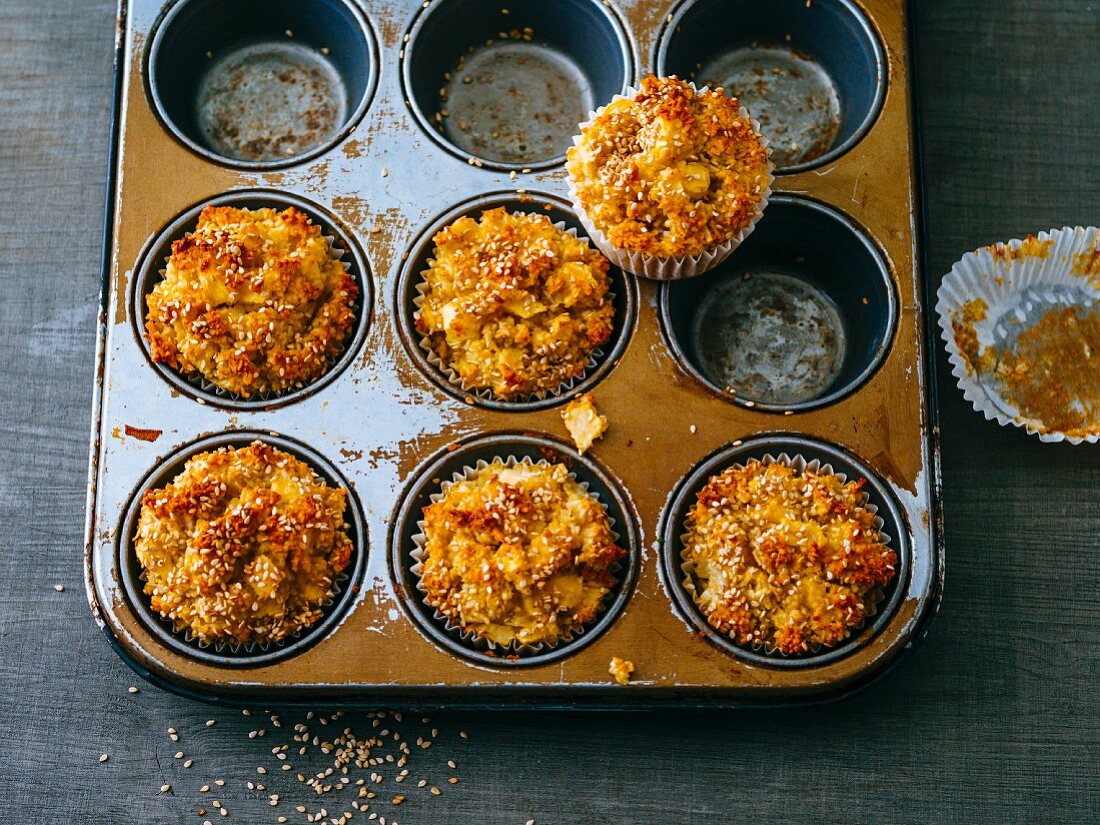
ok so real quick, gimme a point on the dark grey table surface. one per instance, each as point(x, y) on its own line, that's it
point(995, 718)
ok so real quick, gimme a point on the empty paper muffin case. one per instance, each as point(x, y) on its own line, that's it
point(386, 121)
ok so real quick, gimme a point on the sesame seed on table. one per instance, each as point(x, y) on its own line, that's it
point(992, 719)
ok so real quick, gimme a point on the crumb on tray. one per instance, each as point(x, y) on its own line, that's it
point(583, 420)
point(621, 669)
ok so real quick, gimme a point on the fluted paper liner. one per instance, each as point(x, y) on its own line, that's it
point(206, 387)
point(674, 268)
point(798, 463)
point(468, 637)
point(485, 393)
point(238, 648)
point(1018, 281)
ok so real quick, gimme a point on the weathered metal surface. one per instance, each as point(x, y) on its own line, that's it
point(382, 418)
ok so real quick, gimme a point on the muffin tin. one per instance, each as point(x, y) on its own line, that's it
point(832, 266)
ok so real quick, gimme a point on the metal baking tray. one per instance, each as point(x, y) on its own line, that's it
point(377, 77)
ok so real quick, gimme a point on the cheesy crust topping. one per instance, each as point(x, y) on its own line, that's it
point(784, 559)
point(513, 304)
point(252, 301)
point(518, 554)
point(243, 545)
point(673, 172)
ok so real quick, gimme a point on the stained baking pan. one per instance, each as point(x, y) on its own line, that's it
point(387, 120)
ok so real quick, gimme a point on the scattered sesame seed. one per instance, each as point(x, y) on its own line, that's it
point(131, 689)
point(165, 788)
point(60, 588)
point(103, 757)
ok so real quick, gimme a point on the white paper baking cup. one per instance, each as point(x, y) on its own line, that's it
point(204, 385)
point(674, 268)
point(485, 393)
point(470, 638)
point(797, 462)
point(1018, 281)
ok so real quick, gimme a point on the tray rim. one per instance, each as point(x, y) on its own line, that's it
point(520, 697)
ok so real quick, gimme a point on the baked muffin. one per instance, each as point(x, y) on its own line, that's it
point(251, 301)
point(785, 559)
point(517, 554)
point(671, 173)
point(514, 305)
point(243, 546)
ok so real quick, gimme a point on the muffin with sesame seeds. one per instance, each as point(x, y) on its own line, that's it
point(669, 180)
point(785, 557)
point(243, 547)
point(513, 306)
point(516, 554)
point(253, 301)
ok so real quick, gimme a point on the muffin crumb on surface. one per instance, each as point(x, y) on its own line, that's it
point(673, 172)
point(518, 554)
point(513, 304)
point(583, 421)
point(252, 301)
point(785, 559)
point(621, 670)
point(243, 545)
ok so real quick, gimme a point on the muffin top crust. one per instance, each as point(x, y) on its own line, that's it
point(252, 301)
point(514, 305)
point(673, 172)
point(784, 559)
point(243, 545)
point(518, 554)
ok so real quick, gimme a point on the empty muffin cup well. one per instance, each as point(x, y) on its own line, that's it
point(260, 84)
point(801, 316)
point(813, 74)
point(506, 84)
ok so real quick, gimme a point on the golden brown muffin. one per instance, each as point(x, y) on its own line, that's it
point(243, 545)
point(785, 559)
point(514, 305)
point(671, 173)
point(518, 554)
point(252, 301)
